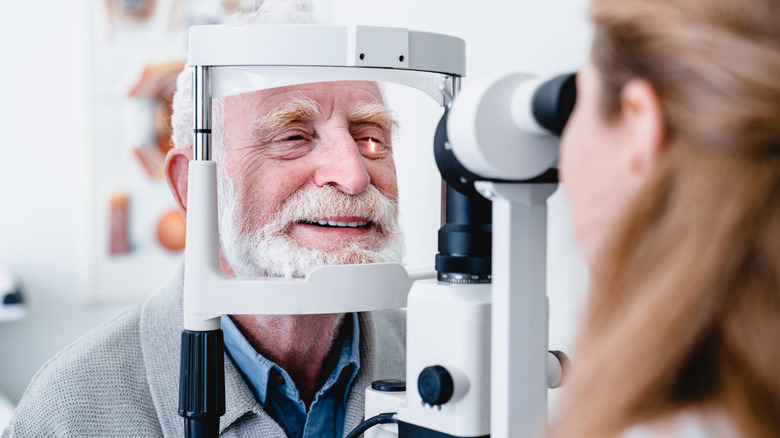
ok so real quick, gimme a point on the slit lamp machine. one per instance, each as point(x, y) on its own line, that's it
point(477, 360)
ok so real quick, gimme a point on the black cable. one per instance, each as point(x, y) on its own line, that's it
point(371, 422)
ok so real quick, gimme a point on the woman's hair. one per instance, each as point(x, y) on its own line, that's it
point(684, 311)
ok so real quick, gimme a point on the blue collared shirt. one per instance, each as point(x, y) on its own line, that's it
point(274, 389)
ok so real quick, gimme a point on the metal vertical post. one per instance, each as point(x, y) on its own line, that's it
point(202, 374)
point(201, 98)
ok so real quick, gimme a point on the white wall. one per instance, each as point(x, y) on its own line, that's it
point(44, 124)
point(44, 173)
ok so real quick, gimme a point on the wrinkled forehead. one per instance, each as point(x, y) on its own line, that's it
point(341, 97)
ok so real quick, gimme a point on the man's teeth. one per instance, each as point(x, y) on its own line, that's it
point(339, 224)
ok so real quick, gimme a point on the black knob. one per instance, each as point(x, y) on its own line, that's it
point(389, 385)
point(435, 385)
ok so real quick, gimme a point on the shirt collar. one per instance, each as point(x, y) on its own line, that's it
point(348, 355)
point(257, 370)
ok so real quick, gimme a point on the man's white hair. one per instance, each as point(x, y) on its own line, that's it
point(277, 12)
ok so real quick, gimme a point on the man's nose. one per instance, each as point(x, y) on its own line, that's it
point(342, 165)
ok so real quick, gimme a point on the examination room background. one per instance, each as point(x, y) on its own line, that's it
point(45, 167)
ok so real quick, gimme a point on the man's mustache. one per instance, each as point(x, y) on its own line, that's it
point(324, 204)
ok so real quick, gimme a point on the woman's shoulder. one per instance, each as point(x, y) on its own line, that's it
point(698, 423)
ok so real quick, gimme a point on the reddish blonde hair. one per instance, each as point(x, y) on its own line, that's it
point(684, 311)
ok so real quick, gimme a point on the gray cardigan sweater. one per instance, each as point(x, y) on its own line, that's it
point(122, 379)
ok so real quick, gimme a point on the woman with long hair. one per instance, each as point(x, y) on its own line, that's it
point(671, 164)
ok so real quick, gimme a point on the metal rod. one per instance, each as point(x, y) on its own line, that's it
point(449, 90)
point(201, 97)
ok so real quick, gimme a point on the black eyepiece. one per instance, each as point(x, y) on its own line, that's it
point(553, 102)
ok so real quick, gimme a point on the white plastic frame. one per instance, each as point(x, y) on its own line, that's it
point(276, 55)
point(254, 57)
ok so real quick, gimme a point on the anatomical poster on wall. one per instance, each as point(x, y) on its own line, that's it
point(138, 49)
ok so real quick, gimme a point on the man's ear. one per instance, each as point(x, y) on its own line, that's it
point(643, 118)
point(177, 163)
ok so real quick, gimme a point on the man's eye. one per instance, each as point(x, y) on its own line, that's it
point(290, 144)
point(372, 146)
point(290, 137)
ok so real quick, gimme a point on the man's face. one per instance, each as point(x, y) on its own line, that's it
point(308, 179)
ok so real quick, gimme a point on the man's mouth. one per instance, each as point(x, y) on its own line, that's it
point(336, 224)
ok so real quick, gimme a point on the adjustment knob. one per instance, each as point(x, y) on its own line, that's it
point(435, 385)
point(389, 385)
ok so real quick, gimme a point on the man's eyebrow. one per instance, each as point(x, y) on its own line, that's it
point(296, 109)
point(375, 113)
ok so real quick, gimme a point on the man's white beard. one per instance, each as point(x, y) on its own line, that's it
point(270, 251)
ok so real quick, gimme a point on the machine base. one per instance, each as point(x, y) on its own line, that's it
point(408, 430)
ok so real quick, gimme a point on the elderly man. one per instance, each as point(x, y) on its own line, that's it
point(306, 177)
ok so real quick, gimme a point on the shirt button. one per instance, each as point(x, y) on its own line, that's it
point(277, 377)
